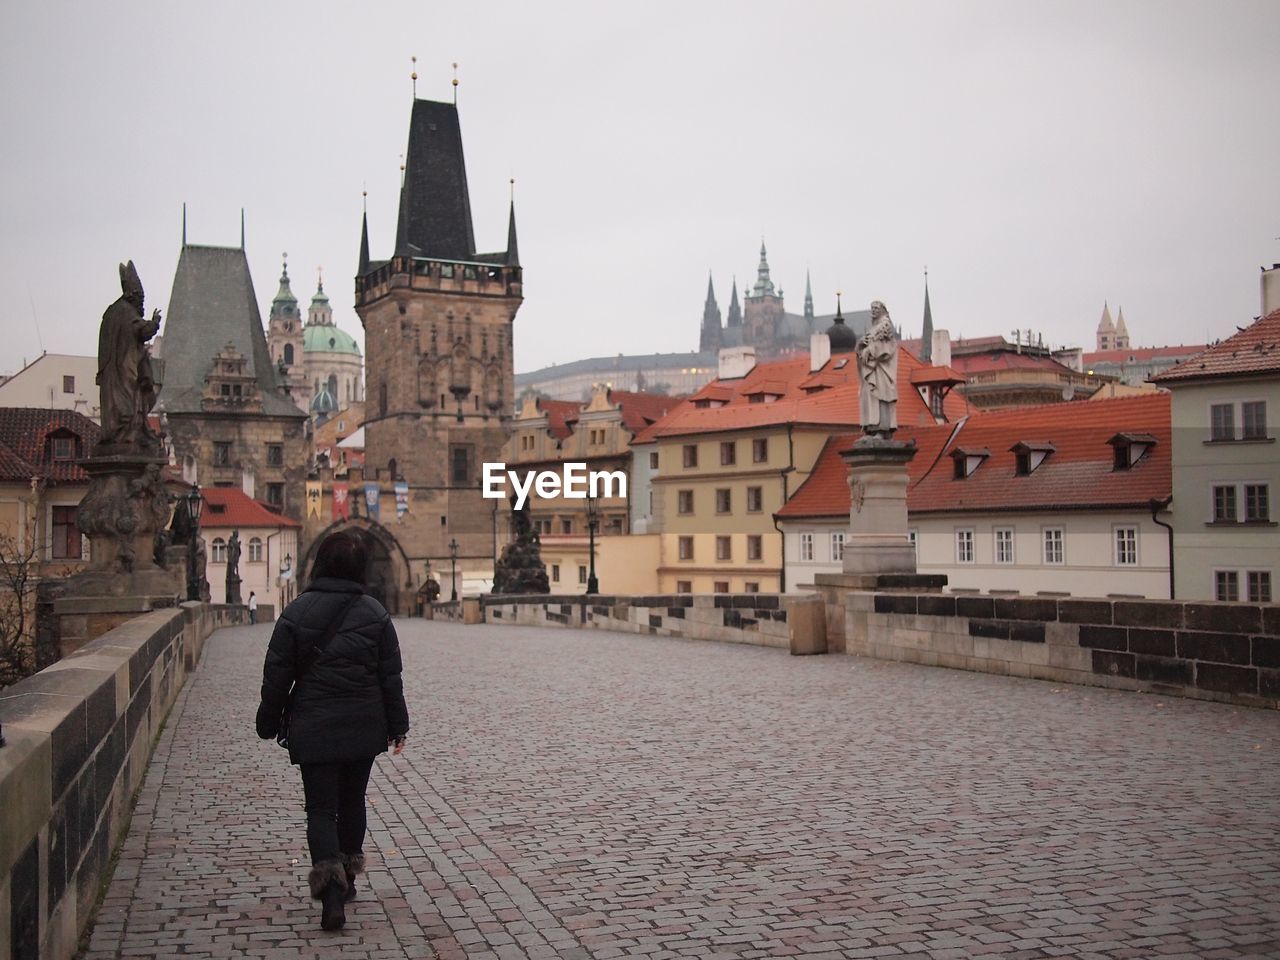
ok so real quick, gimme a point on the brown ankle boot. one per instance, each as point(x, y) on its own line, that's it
point(328, 882)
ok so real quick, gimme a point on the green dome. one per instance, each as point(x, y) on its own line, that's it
point(324, 338)
point(323, 401)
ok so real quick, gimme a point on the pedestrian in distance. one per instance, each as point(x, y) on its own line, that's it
point(253, 607)
point(335, 648)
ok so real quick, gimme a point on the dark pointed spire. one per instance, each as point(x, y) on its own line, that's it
point(513, 254)
point(735, 312)
point(435, 207)
point(709, 341)
point(926, 331)
point(808, 297)
point(364, 239)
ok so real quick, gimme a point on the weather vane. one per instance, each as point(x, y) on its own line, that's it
point(455, 84)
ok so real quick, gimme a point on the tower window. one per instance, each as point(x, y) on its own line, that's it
point(288, 354)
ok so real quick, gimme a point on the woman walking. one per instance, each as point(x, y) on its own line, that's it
point(337, 650)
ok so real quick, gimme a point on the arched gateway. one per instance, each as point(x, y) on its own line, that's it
point(388, 577)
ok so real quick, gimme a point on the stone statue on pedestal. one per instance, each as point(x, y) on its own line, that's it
point(233, 567)
point(126, 504)
point(520, 568)
point(878, 375)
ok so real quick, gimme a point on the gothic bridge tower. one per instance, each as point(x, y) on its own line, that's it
point(439, 394)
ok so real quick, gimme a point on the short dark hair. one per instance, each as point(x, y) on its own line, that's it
point(342, 555)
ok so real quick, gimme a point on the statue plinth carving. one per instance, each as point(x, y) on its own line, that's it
point(520, 568)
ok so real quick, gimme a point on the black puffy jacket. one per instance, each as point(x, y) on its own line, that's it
point(351, 701)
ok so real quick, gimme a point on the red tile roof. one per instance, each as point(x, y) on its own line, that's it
point(1254, 350)
point(1141, 354)
point(971, 363)
point(834, 406)
point(561, 415)
point(924, 376)
point(25, 431)
point(641, 409)
point(231, 507)
point(1078, 474)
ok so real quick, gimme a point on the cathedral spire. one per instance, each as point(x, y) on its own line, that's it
point(735, 312)
point(764, 286)
point(435, 207)
point(808, 297)
point(364, 242)
point(926, 330)
point(709, 341)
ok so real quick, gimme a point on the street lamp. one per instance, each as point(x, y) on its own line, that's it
point(194, 502)
point(286, 571)
point(593, 521)
point(453, 570)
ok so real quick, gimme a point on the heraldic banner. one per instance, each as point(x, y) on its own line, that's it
point(341, 502)
point(371, 494)
point(313, 498)
point(402, 499)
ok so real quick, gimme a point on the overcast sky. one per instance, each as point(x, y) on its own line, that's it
point(1039, 158)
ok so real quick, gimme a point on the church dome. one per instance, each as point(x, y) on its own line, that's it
point(323, 401)
point(321, 338)
point(842, 338)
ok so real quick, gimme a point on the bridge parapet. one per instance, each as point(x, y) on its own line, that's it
point(78, 736)
point(792, 621)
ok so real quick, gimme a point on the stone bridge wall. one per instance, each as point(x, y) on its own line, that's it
point(78, 737)
point(1213, 651)
point(765, 619)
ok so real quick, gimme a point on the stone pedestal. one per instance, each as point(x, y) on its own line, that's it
point(77, 620)
point(877, 539)
point(124, 508)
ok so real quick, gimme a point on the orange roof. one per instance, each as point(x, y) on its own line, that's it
point(1139, 354)
point(924, 376)
point(561, 415)
point(641, 409)
point(228, 507)
point(25, 431)
point(1255, 349)
point(792, 383)
point(1078, 474)
point(971, 363)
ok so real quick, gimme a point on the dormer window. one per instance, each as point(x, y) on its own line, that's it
point(1029, 454)
point(1131, 449)
point(968, 460)
point(63, 445)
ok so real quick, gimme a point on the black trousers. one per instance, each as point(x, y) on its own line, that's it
point(334, 794)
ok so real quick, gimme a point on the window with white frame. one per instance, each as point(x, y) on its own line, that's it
point(1126, 552)
point(1054, 545)
point(255, 550)
point(724, 548)
point(1226, 585)
point(555, 573)
point(218, 551)
point(582, 574)
point(1222, 421)
point(1259, 582)
point(806, 546)
point(1257, 506)
point(837, 546)
point(1229, 498)
point(1251, 415)
point(1004, 544)
point(755, 546)
point(1224, 503)
point(913, 538)
point(685, 546)
point(964, 545)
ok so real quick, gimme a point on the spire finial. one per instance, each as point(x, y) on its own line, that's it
point(455, 84)
point(839, 314)
point(320, 279)
point(184, 223)
point(414, 76)
point(513, 189)
point(242, 228)
point(364, 197)
point(284, 265)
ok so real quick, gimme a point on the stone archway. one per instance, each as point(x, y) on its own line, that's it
point(388, 565)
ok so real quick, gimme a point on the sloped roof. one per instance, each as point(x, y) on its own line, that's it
point(23, 432)
point(213, 303)
point(561, 415)
point(835, 406)
point(231, 507)
point(1079, 474)
point(1254, 350)
point(825, 492)
point(1140, 354)
point(435, 208)
point(923, 376)
point(639, 410)
point(971, 363)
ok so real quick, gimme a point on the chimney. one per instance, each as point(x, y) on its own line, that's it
point(247, 482)
point(1270, 289)
point(941, 348)
point(819, 351)
point(736, 362)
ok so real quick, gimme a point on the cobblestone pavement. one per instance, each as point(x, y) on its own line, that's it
point(585, 794)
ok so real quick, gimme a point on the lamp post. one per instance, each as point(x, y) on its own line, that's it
point(593, 521)
point(194, 503)
point(286, 571)
point(453, 571)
